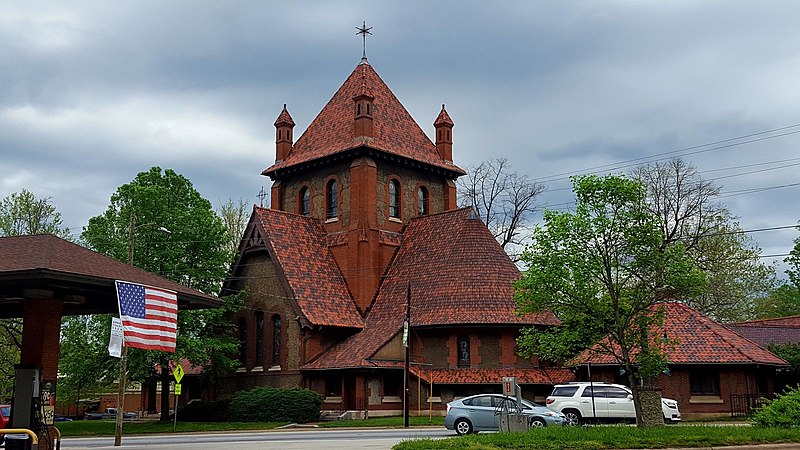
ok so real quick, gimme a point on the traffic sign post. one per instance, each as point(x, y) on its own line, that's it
point(178, 374)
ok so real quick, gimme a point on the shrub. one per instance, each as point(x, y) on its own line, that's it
point(276, 405)
point(205, 411)
point(784, 411)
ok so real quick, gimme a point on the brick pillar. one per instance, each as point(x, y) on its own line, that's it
point(41, 327)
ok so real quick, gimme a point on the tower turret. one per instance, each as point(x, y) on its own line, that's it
point(283, 135)
point(444, 137)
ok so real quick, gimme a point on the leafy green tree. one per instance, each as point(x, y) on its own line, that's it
point(21, 213)
point(85, 367)
point(689, 213)
point(794, 263)
point(604, 268)
point(160, 223)
point(782, 301)
point(235, 216)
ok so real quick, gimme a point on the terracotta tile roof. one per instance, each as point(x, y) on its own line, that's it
point(458, 273)
point(299, 246)
point(48, 258)
point(284, 118)
point(460, 277)
point(764, 332)
point(443, 118)
point(495, 376)
point(394, 130)
point(788, 322)
point(700, 341)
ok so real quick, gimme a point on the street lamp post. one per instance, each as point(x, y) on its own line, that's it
point(123, 372)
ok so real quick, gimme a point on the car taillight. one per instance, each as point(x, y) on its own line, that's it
point(550, 400)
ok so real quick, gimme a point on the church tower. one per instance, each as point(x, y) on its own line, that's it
point(363, 167)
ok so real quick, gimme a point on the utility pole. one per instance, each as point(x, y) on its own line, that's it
point(406, 344)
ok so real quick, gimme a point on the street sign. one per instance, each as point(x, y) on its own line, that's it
point(178, 374)
point(177, 389)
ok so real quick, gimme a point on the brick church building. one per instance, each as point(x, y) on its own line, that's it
point(362, 228)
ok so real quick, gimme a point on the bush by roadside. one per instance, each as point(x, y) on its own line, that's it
point(276, 405)
point(784, 411)
point(205, 411)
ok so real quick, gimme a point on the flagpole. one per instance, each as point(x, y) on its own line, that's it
point(123, 370)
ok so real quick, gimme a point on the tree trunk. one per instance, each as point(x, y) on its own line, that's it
point(164, 392)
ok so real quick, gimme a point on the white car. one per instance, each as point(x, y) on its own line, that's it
point(602, 401)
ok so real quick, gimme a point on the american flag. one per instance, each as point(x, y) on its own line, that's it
point(149, 316)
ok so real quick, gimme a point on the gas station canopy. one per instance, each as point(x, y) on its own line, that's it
point(46, 266)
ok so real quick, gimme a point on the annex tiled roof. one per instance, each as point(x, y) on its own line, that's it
point(459, 276)
point(50, 260)
point(764, 332)
point(394, 130)
point(700, 340)
point(494, 376)
point(299, 246)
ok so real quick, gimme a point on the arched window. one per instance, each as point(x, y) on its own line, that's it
point(259, 339)
point(394, 199)
point(305, 201)
point(242, 342)
point(463, 351)
point(276, 340)
point(332, 200)
point(422, 201)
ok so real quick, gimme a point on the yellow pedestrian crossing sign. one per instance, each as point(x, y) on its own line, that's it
point(178, 373)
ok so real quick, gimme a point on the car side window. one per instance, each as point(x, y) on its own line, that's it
point(599, 391)
point(615, 392)
point(467, 401)
point(564, 391)
point(482, 401)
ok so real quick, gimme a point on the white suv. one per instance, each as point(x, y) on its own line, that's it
point(578, 401)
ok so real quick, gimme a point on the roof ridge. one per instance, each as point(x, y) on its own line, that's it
point(440, 213)
point(761, 321)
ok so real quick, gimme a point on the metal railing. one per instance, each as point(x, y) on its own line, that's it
point(743, 405)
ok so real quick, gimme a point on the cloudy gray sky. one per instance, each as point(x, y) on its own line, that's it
point(91, 93)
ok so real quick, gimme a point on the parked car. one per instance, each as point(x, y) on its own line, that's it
point(601, 401)
point(5, 414)
point(109, 413)
point(482, 413)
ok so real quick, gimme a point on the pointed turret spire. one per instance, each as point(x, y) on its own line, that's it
point(283, 134)
point(444, 138)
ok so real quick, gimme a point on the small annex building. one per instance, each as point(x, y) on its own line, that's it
point(362, 229)
point(768, 333)
point(713, 370)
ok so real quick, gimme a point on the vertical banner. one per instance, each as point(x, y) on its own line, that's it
point(115, 342)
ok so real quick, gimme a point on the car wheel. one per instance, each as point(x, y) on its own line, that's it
point(538, 422)
point(463, 426)
point(573, 417)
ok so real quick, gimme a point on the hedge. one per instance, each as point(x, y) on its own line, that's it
point(266, 404)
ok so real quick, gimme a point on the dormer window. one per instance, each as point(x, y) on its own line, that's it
point(332, 200)
point(305, 201)
point(394, 199)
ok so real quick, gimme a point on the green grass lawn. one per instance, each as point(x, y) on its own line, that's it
point(612, 437)
point(106, 427)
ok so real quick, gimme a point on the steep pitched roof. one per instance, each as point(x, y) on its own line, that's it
point(459, 276)
point(394, 130)
point(48, 262)
point(781, 330)
point(298, 245)
point(700, 340)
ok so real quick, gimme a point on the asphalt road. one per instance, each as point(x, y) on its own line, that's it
point(350, 439)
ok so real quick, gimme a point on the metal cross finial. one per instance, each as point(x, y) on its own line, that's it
point(261, 195)
point(364, 31)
